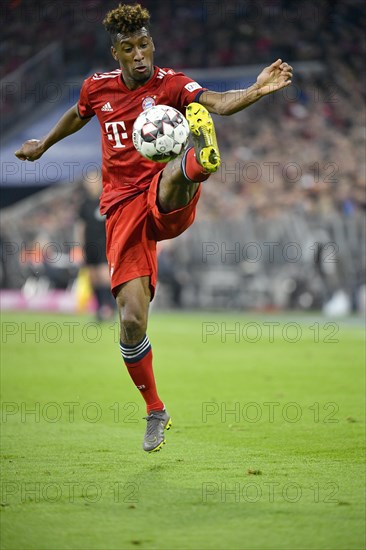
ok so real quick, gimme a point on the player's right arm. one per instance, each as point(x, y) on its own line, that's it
point(69, 123)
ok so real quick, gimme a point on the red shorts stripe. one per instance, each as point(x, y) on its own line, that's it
point(133, 228)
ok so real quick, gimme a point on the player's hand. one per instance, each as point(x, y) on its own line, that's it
point(31, 150)
point(275, 77)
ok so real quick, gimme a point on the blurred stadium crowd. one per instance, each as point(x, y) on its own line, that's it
point(191, 33)
point(293, 164)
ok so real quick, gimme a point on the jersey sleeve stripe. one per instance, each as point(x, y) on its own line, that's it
point(111, 74)
point(199, 93)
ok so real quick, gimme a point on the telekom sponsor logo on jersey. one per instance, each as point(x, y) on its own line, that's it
point(114, 131)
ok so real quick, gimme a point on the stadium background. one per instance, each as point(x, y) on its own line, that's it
point(266, 390)
point(281, 224)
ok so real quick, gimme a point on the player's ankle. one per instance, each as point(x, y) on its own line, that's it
point(191, 168)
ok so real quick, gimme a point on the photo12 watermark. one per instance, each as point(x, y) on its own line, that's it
point(268, 172)
point(252, 332)
point(72, 412)
point(89, 492)
point(52, 332)
point(269, 252)
point(252, 412)
point(47, 172)
point(269, 492)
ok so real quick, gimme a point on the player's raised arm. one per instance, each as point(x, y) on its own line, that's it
point(272, 78)
point(69, 123)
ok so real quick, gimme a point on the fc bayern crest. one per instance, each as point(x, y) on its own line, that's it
point(148, 102)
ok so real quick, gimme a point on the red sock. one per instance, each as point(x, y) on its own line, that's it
point(138, 360)
point(191, 168)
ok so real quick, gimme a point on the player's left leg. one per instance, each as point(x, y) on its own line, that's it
point(180, 178)
point(133, 298)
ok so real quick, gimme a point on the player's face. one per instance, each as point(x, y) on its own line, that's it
point(135, 55)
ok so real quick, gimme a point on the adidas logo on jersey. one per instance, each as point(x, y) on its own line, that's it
point(107, 107)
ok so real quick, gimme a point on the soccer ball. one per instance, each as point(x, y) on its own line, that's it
point(160, 133)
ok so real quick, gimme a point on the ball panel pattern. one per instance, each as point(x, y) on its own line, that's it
point(160, 133)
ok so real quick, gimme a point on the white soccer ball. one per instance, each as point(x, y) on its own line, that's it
point(160, 133)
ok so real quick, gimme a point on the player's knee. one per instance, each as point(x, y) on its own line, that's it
point(133, 327)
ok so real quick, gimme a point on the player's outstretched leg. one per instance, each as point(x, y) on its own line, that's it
point(204, 137)
point(181, 178)
point(157, 422)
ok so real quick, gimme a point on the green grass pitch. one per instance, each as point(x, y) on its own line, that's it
point(266, 449)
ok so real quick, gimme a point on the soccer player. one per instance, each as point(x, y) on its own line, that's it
point(145, 202)
point(91, 232)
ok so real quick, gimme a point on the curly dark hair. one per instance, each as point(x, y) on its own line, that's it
point(126, 19)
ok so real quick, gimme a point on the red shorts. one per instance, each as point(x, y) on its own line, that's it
point(133, 228)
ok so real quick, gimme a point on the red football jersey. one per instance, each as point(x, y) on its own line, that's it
point(125, 171)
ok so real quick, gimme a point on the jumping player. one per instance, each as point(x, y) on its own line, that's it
point(145, 202)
